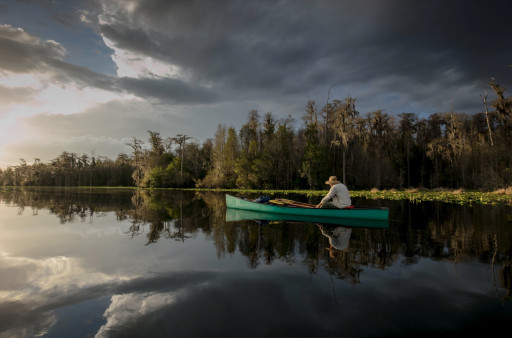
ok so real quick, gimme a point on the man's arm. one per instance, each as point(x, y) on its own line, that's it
point(327, 197)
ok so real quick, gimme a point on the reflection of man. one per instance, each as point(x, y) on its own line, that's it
point(338, 236)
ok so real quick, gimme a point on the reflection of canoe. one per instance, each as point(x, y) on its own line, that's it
point(239, 209)
point(239, 215)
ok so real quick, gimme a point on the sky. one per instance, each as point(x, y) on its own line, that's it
point(86, 76)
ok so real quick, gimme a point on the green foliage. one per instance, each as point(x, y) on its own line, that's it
point(153, 179)
point(372, 150)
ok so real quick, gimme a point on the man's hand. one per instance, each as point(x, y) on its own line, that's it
point(319, 205)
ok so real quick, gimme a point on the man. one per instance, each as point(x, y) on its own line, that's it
point(338, 196)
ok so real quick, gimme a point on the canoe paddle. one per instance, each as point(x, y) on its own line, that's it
point(282, 201)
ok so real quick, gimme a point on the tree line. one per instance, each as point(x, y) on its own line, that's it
point(372, 150)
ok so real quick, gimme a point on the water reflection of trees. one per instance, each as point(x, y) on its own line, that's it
point(164, 213)
point(432, 230)
point(69, 204)
point(506, 279)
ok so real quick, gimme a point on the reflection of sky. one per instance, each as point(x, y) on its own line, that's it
point(110, 284)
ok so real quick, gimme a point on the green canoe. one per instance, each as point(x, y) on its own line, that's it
point(372, 217)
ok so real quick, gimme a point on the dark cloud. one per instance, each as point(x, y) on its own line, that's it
point(23, 53)
point(228, 43)
point(168, 90)
point(65, 13)
point(227, 57)
point(266, 49)
point(66, 72)
point(291, 46)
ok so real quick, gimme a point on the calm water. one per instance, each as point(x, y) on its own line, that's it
point(121, 263)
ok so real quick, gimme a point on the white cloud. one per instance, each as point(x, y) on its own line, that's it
point(130, 64)
point(126, 308)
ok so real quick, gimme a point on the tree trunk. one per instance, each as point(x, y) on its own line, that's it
point(344, 165)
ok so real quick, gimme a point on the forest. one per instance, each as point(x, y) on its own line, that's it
point(372, 150)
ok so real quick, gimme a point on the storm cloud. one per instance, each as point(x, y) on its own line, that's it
point(293, 47)
point(209, 62)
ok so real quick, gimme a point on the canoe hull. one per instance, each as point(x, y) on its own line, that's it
point(308, 214)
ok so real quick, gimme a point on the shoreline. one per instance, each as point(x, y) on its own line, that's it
point(456, 196)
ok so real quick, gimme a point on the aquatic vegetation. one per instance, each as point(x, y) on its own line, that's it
point(415, 196)
point(458, 197)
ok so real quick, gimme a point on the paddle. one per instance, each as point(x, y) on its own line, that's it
point(282, 201)
point(298, 203)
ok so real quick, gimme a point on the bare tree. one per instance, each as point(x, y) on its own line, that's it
point(343, 126)
point(138, 159)
point(484, 100)
point(180, 140)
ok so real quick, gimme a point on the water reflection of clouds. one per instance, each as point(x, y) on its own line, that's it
point(102, 246)
point(235, 304)
point(32, 278)
point(23, 276)
point(32, 292)
point(201, 303)
point(30, 289)
point(436, 277)
point(47, 266)
point(24, 322)
point(99, 228)
point(129, 308)
point(40, 273)
point(45, 224)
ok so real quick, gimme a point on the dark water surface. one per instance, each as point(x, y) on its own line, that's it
point(126, 263)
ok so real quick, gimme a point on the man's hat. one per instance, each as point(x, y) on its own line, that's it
point(332, 180)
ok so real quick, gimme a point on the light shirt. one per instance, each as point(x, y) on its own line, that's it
point(339, 195)
point(339, 237)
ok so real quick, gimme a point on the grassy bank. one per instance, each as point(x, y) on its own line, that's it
point(503, 196)
point(462, 197)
